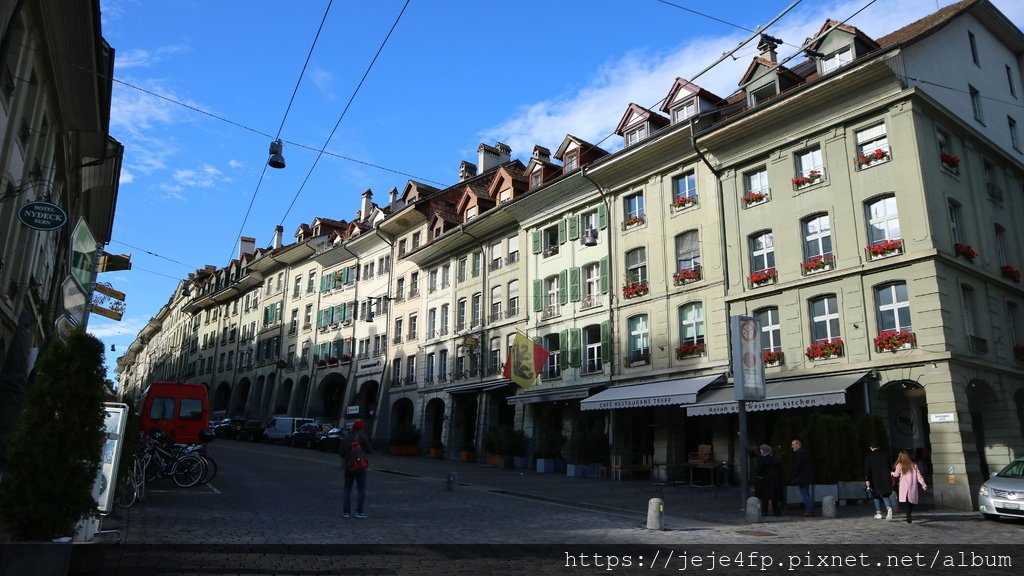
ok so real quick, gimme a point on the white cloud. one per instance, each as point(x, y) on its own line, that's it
point(206, 176)
point(235, 164)
point(644, 77)
point(125, 330)
point(322, 79)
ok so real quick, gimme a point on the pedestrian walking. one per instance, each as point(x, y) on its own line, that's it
point(803, 472)
point(769, 481)
point(909, 477)
point(353, 450)
point(877, 480)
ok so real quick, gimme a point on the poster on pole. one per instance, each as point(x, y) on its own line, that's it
point(106, 479)
point(747, 362)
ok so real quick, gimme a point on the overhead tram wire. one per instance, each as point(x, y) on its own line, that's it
point(345, 110)
point(288, 108)
point(154, 254)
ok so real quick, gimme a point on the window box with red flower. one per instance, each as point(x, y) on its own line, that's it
point(817, 264)
point(884, 249)
point(869, 159)
point(682, 202)
point(965, 250)
point(332, 360)
point(687, 275)
point(633, 221)
point(321, 363)
point(891, 341)
point(773, 358)
point(345, 358)
point(950, 162)
point(825, 349)
point(763, 277)
point(805, 180)
point(755, 198)
point(635, 289)
point(1010, 272)
point(690, 349)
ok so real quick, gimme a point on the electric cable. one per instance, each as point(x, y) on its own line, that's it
point(345, 111)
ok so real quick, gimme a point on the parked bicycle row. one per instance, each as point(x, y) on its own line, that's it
point(158, 457)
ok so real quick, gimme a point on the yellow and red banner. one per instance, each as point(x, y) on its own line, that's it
point(525, 360)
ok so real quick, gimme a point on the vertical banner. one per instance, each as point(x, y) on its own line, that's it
point(747, 362)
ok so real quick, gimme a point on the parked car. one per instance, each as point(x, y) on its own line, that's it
point(1002, 495)
point(305, 436)
point(221, 427)
point(251, 430)
point(330, 440)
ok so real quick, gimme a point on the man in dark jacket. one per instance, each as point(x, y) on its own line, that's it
point(353, 448)
point(803, 471)
point(877, 477)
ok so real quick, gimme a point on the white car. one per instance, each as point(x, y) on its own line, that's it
point(1002, 495)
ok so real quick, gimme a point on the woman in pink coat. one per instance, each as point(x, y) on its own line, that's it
point(909, 477)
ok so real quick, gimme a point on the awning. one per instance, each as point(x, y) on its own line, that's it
point(780, 395)
point(477, 387)
point(665, 393)
point(553, 394)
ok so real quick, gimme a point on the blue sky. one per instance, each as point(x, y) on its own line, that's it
point(201, 88)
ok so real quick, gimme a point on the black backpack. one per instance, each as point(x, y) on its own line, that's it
point(356, 459)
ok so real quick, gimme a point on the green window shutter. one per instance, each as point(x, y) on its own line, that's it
point(574, 227)
point(535, 244)
point(574, 347)
point(323, 283)
point(606, 342)
point(344, 276)
point(319, 318)
point(562, 231)
point(602, 216)
point(604, 275)
point(563, 350)
point(574, 284)
point(538, 301)
point(266, 315)
point(563, 287)
point(341, 311)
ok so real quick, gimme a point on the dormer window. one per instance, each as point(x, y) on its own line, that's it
point(636, 134)
point(760, 95)
point(837, 59)
point(535, 179)
point(571, 162)
point(470, 212)
point(689, 108)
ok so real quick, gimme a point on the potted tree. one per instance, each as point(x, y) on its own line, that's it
point(496, 444)
point(436, 449)
point(518, 443)
point(468, 451)
point(49, 478)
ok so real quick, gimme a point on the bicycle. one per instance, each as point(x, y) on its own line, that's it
point(132, 485)
point(164, 459)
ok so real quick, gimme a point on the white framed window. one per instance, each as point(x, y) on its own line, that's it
point(756, 181)
point(636, 265)
point(893, 308)
point(551, 292)
point(639, 339)
point(687, 250)
point(837, 59)
point(974, 48)
point(636, 134)
point(808, 162)
point(691, 323)
point(883, 220)
point(824, 319)
point(1011, 125)
point(1000, 234)
point(954, 221)
point(762, 251)
point(976, 103)
point(817, 236)
point(685, 186)
point(684, 111)
point(633, 205)
point(592, 284)
point(967, 299)
point(513, 298)
point(771, 330)
point(871, 139)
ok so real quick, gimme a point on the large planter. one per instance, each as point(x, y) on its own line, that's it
point(467, 455)
point(401, 450)
point(436, 453)
point(36, 558)
point(547, 465)
point(576, 470)
point(494, 459)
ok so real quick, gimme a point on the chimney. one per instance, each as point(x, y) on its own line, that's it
point(367, 195)
point(392, 196)
point(278, 231)
point(541, 154)
point(466, 171)
point(246, 246)
point(492, 156)
point(767, 45)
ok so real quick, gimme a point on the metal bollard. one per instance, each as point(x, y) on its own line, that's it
point(655, 514)
point(453, 478)
point(753, 509)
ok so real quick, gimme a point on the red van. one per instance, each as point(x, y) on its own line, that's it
point(179, 410)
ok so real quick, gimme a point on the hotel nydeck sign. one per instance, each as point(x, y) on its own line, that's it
point(42, 215)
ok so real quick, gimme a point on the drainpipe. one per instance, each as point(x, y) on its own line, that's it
point(611, 263)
